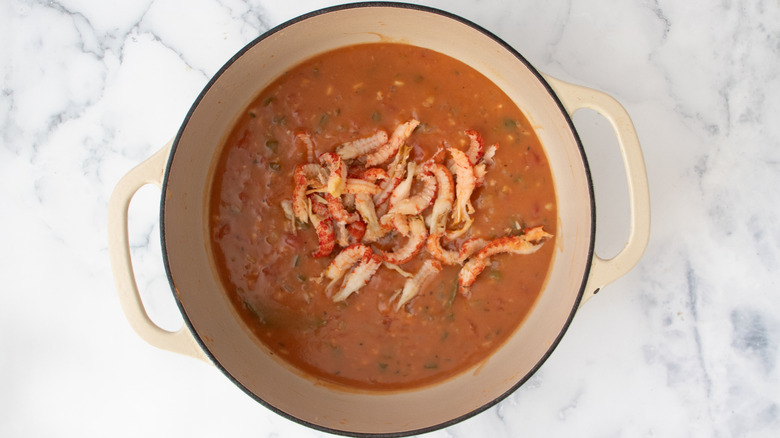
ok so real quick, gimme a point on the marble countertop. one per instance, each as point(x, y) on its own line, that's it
point(686, 344)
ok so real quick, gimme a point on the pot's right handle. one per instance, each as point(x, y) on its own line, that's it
point(150, 171)
point(604, 271)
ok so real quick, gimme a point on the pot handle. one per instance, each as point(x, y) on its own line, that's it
point(150, 171)
point(604, 271)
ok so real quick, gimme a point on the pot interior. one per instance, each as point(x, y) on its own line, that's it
point(223, 333)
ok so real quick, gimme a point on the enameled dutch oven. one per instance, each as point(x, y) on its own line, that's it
point(215, 333)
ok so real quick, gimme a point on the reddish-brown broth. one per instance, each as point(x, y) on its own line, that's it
point(269, 272)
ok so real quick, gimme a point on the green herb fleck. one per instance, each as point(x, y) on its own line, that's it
point(510, 123)
point(382, 365)
point(495, 275)
point(251, 309)
point(423, 127)
point(296, 261)
point(376, 116)
point(268, 100)
point(275, 166)
point(431, 365)
point(301, 278)
point(273, 145)
point(453, 294)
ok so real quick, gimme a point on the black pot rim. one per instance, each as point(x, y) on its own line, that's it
point(506, 47)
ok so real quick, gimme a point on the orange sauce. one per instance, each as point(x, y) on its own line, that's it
point(268, 270)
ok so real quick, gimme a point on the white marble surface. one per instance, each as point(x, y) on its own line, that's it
point(686, 344)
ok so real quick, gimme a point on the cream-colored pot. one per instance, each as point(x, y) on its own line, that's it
point(215, 333)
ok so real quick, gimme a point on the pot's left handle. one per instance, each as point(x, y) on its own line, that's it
point(151, 171)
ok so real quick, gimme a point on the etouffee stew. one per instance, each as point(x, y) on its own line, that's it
point(382, 216)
